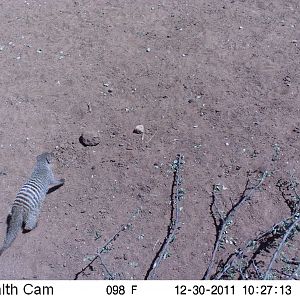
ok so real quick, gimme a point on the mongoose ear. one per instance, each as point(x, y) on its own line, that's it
point(49, 157)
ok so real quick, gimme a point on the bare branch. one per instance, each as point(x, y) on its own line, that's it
point(104, 248)
point(275, 232)
point(229, 216)
point(174, 221)
point(278, 250)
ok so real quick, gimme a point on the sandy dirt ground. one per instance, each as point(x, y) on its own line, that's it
point(217, 81)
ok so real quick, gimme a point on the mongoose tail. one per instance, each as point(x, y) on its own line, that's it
point(14, 225)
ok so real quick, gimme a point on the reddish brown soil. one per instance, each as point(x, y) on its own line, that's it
point(220, 85)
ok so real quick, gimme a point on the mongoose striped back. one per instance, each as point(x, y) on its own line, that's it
point(26, 207)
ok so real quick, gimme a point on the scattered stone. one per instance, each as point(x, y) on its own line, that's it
point(89, 107)
point(139, 129)
point(89, 139)
point(287, 80)
point(133, 264)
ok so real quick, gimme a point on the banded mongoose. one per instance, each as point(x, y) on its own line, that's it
point(26, 207)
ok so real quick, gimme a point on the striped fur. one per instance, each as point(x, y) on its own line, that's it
point(27, 205)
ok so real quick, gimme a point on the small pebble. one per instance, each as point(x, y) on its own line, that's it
point(133, 264)
point(139, 129)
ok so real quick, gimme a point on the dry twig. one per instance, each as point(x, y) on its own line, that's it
point(261, 242)
point(226, 221)
point(287, 234)
point(104, 248)
point(176, 196)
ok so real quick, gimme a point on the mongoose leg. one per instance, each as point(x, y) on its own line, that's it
point(57, 182)
point(8, 218)
point(30, 221)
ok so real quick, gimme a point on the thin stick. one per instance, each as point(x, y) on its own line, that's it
point(247, 244)
point(104, 247)
point(174, 222)
point(151, 137)
point(86, 267)
point(275, 254)
point(295, 274)
point(113, 238)
point(256, 269)
point(229, 216)
point(110, 276)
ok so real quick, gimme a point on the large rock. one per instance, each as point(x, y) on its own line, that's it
point(89, 139)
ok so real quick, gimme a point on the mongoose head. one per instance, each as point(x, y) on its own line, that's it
point(45, 157)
